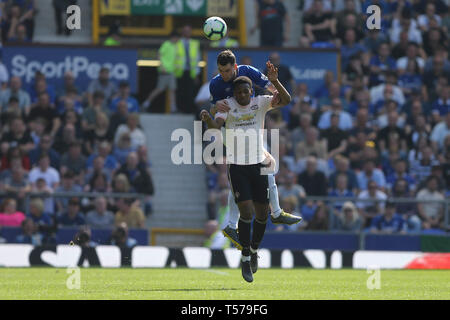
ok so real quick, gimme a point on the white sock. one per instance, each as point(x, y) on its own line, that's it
point(245, 258)
point(234, 212)
point(273, 197)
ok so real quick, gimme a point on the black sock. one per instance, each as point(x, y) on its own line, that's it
point(259, 228)
point(244, 227)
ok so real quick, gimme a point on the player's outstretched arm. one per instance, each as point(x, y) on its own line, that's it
point(210, 122)
point(284, 97)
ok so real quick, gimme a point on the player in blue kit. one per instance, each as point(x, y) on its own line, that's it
point(221, 88)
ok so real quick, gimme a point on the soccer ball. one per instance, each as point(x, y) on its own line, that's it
point(215, 28)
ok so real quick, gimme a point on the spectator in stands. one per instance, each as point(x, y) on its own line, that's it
point(139, 179)
point(284, 73)
point(343, 167)
point(9, 216)
point(74, 161)
point(412, 54)
point(103, 84)
point(100, 217)
point(99, 134)
point(343, 117)
point(42, 219)
point(143, 161)
point(326, 103)
point(371, 173)
point(16, 183)
point(65, 139)
point(369, 209)
point(45, 191)
point(98, 167)
point(391, 132)
point(18, 136)
point(431, 213)
point(324, 90)
point(40, 86)
point(421, 169)
point(400, 172)
point(319, 28)
point(411, 79)
point(43, 170)
point(132, 127)
point(441, 106)
point(123, 147)
point(124, 94)
point(119, 117)
point(380, 63)
point(90, 113)
point(342, 190)
point(335, 137)
point(29, 233)
point(121, 184)
point(399, 49)
point(68, 86)
point(110, 163)
point(319, 222)
point(311, 145)
point(130, 214)
point(9, 112)
point(298, 134)
point(60, 8)
point(68, 185)
point(291, 188)
point(313, 181)
point(121, 238)
point(19, 12)
point(350, 46)
point(347, 219)
point(424, 20)
point(45, 147)
point(44, 109)
point(15, 90)
point(166, 73)
point(361, 125)
point(433, 75)
point(98, 184)
point(405, 23)
point(73, 216)
point(273, 23)
point(389, 222)
point(440, 132)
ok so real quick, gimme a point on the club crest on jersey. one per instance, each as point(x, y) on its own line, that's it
point(254, 107)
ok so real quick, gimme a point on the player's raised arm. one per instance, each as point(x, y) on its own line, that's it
point(283, 97)
point(210, 122)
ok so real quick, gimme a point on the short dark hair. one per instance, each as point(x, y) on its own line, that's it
point(226, 57)
point(242, 80)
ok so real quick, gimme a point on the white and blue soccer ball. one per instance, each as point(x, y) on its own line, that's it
point(215, 28)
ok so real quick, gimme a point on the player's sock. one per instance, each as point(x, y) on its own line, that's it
point(244, 235)
point(259, 228)
point(273, 197)
point(234, 212)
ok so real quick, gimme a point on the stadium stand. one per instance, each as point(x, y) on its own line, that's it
point(378, 129)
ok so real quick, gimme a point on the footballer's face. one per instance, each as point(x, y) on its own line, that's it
point(243, 94)
point(228, 72)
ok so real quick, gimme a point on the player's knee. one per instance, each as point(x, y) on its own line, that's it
point(246, 209)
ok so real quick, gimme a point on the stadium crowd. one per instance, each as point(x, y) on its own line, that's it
point(60, 140)
point(378, 131)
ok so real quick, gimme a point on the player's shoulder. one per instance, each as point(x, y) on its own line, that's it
point(245, 69)
point(216, 82)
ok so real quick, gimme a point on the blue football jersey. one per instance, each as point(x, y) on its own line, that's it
point(220, 89)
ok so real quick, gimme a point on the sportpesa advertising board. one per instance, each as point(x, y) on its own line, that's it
point(83, 62)
point(306, 66)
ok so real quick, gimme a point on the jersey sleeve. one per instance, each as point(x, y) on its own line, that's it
point(265, 102)
point(256, 76)
point(221, 115)
point(214, 93)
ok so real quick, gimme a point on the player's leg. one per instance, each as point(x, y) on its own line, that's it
point(160, 87)
point(230, 231)
point(245, 225)
point(279, 216)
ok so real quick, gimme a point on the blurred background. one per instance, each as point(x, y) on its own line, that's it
point(87, 117)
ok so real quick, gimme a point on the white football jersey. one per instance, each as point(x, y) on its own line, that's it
point(244, 126)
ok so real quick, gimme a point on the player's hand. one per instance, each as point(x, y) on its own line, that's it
point(272, 72)
point(204, 115)
point(276, 99)
point(222, 106)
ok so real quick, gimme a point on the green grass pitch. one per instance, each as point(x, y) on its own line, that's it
point(221, 284)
